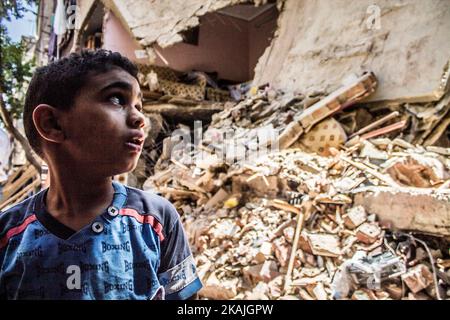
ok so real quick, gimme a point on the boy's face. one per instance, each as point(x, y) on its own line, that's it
point(104, 128)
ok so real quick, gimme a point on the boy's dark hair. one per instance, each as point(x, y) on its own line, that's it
point(58, 83)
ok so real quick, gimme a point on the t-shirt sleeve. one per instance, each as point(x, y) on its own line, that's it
point(177, 271)
point(3, 295)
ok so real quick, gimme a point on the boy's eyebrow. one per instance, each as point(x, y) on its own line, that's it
point(121, 85)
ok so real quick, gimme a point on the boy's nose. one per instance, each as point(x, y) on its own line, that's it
point(136, 119)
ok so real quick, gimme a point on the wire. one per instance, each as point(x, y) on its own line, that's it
point(438, 295)
point(388, 246)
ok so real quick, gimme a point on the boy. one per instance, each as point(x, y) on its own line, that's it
point(87, 237)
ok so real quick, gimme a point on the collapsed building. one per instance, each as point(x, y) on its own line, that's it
point(307, 156)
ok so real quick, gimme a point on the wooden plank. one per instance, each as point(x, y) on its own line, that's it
point(283, 205)
point(298, 229)
point(396, 126)
point(21, 195)
point(376, 124)
point(16, 185)
point(386, 179)
point(176, 112)
point(15, 174)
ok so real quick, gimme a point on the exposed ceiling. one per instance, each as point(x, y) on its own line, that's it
point(247, 12)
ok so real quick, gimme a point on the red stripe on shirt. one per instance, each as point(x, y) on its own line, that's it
point(157, 227)
point(16, 230)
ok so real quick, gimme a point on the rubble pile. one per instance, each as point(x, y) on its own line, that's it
point(243, 242)
point(301, 222)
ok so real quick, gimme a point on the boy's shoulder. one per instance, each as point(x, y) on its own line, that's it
point(148, 203)
point(17, 215)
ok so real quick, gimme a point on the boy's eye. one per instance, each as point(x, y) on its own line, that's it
point(117, 99)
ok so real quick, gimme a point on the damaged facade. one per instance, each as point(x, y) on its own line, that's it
point(350, 197)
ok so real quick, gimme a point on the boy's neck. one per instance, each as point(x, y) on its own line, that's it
point(75, 199)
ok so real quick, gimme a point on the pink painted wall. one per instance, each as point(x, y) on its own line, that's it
point(227, 45)
point(117, 38)
point(223, 47)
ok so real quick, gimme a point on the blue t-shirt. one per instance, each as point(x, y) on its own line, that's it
point(136, 249)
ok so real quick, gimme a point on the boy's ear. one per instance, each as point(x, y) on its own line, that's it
point(47, 122)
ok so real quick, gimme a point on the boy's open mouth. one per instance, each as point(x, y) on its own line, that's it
point(135, 142)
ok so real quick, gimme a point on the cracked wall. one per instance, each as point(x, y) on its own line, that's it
point(319, 43)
